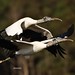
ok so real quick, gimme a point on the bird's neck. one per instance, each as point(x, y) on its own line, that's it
point(40, 21)
point(50, 42)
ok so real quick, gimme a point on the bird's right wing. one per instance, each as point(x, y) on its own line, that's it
point(54, 49)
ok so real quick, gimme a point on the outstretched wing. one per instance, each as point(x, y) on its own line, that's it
point(9, 49)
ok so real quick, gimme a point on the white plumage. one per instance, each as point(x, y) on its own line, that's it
point(16, 29)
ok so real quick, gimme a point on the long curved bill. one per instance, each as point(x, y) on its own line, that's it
point(64, 40)
point(56, 19)
point(46, 18)
point(58, 40)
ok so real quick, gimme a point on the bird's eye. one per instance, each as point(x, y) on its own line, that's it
point(45, 18)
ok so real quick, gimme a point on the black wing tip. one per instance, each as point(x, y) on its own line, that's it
point(68, 33)
point(57, 49)
point(72, 27)
point(70, 30)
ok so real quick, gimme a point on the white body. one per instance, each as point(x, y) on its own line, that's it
point(38, 46)
point(15, 28)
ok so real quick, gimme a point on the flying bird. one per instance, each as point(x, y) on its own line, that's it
point(41, 34)
point(11, 48)
point(17, 28)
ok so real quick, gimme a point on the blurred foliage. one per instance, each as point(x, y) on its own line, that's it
point(44, 62)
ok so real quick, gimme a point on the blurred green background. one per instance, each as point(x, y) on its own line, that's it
point(42, 63)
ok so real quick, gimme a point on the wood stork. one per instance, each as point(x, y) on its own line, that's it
point(40, 34)
point(10, 48)
point(17, 28)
